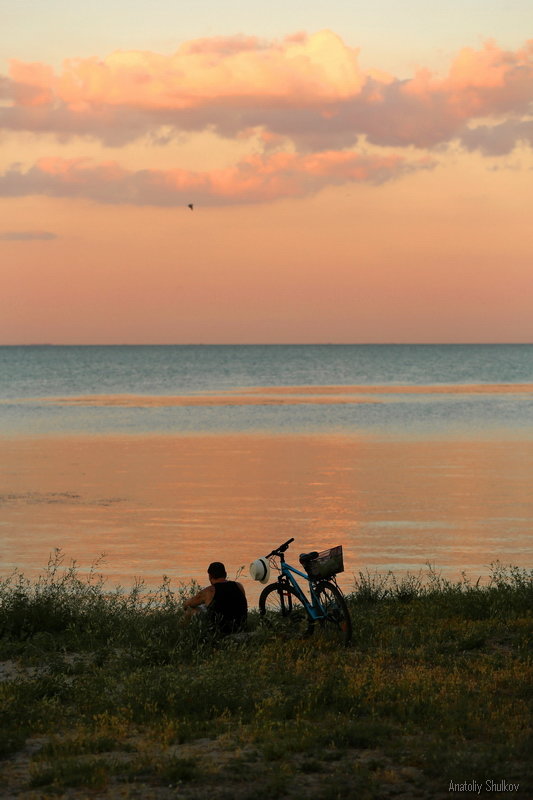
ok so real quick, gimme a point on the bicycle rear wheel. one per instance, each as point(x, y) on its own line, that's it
point(281, 608)
point(337, 624)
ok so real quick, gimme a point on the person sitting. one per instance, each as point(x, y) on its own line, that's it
point(223, 602)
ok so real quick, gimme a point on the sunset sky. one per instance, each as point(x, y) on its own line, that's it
point(360, 171)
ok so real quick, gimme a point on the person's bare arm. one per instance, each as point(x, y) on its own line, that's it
point(204, 597)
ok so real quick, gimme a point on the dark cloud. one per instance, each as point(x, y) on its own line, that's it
point(27, 236)
point(498, 140)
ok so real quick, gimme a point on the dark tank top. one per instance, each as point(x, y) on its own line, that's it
point(228, 608)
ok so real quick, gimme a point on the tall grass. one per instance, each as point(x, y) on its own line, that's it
point(505, 585)
point(64, 611)
point(119, 689)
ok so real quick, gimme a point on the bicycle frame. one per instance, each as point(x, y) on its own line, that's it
point(313, 608)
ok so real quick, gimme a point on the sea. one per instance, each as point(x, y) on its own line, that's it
point(413, 457)
point(50, 390)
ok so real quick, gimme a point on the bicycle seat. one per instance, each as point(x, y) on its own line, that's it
point(305, 557)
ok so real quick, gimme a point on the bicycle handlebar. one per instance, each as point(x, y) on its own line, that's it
point(281, 549)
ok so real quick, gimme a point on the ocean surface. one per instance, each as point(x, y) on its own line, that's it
point(381, 390)
point(168, 457)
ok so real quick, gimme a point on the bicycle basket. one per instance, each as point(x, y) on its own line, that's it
point(326, 564)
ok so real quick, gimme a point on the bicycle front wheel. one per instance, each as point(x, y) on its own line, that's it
point(336, 624)
point(281, 608)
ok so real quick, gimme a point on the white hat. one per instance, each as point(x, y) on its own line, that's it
point(260, 570)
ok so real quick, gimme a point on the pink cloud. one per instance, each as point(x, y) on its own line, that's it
point(255, 179)
point(205, 71)
point(32, 84)
point(309, 88)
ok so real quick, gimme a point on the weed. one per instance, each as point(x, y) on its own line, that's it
point(438, 680)
point(71, 772)
point(176, 770)
point(11, 741)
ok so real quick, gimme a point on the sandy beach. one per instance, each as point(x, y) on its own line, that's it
point(167, 505)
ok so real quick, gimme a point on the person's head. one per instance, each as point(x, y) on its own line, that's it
point(216, 571)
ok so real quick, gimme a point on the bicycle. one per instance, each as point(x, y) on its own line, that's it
point(284, 600)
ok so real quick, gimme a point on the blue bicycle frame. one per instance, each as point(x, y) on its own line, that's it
point(314, 609)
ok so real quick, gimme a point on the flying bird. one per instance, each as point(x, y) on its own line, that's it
point(191, 206)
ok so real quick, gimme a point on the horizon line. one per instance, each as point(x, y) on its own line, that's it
point(258, 344)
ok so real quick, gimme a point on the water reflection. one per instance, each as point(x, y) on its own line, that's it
point(170, 505)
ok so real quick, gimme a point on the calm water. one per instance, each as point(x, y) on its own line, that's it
point(403, 454)
point(38, 384)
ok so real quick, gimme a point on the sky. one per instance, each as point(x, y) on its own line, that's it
point(359, 171)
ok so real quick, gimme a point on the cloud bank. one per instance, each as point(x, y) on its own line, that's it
point(308, 88)
point(305, 99)
point(258, 178)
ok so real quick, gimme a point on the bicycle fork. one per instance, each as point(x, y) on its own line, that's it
point(285, 598)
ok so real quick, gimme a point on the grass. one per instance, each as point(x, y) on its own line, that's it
point(109, 693)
